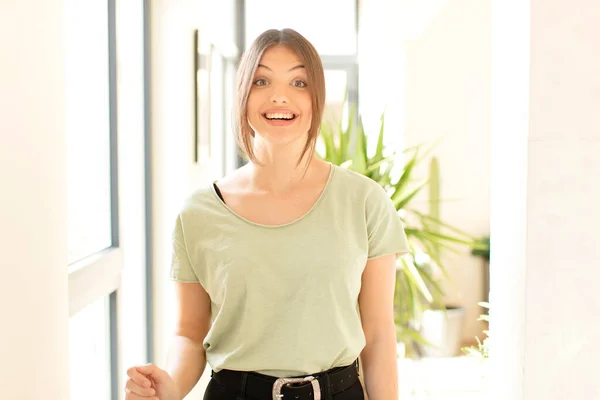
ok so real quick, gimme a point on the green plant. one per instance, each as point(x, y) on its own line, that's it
point(482, 350)
point(482, 249)
point(344, 143)
point(434, 196)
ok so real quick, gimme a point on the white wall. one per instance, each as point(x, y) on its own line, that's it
point(429, 63)
point(563, 195)
point(510, 129)
point(172, 117)
point(172, 124)
point(33, 206)
point(545, 200)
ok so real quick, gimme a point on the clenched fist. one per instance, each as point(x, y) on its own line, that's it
point(148, 382)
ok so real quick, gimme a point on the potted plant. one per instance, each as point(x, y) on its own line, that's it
point(344, 143)
point(441, 324)
point(482, 350)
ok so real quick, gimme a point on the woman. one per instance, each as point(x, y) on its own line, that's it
point(286, 267)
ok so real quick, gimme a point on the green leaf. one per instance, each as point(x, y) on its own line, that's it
point(472, 352)
point(443, 224)
point(346, 164)
point(345, 135)
point(379, 149)
point(377, 164)
point(405, 178)
point(400, 202)
point(435, 256)
point(385, 178)
point(359, 161)
point(327, 137)
point(432, 236)
point(415, 277)
point(439, 292)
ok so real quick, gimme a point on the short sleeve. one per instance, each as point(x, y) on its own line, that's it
point(384, 226)
point(181, 267)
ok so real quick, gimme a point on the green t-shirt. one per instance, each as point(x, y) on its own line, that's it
point(284, 299)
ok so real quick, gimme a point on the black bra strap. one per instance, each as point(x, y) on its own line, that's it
point(218, 192)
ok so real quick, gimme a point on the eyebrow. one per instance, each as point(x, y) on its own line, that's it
point(289, 70)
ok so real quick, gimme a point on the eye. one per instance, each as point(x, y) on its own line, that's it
point(260, 82)
point(299, 84)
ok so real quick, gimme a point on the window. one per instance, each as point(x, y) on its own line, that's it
point(95, 258)
point(89, 357)
point(336, 84)
point(88, 131)
point(220, 60)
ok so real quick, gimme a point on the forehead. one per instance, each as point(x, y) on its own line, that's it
point(280, 58)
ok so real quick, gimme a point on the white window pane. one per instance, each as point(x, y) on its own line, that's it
point(89, 352)
point(87, 124)
point(330, 25)
point(335, 84)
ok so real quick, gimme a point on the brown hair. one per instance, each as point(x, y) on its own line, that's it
point(245, 75)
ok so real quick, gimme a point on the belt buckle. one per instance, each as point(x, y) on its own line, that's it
point(281, 382)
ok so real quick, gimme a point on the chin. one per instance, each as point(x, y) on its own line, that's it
point(282, 138)
point(281, 135)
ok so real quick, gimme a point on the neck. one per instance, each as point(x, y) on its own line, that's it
point(280, 170)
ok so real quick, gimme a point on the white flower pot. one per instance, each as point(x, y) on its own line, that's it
point(443, 329)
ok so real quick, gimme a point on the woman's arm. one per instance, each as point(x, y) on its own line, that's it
point(187, 359)
point(376, 302)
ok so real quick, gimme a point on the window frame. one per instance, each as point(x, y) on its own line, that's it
point(99, 274)
point(348, 64)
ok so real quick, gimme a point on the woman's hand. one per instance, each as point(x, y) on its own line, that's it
point(148, 382)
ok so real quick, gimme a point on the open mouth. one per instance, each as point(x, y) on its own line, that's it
point(280, 116)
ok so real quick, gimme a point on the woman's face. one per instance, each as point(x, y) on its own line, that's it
point(279, 102)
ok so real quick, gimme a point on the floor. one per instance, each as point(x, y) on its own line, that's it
point(458, 378)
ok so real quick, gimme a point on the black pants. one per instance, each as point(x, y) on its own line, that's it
point(231, 388)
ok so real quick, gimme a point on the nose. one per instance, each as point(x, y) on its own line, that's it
point(279, 95)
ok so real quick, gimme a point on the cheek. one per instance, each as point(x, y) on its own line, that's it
point(306, 105)
point(252, 105)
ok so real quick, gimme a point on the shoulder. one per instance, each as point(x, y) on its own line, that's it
point(197, 198)
point(206, 196)
point(358, 184)
point(200, 203)
point(362, 192)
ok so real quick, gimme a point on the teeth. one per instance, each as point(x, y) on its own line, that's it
point(279, 115)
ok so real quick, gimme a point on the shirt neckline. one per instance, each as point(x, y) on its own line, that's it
point(332, 169)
